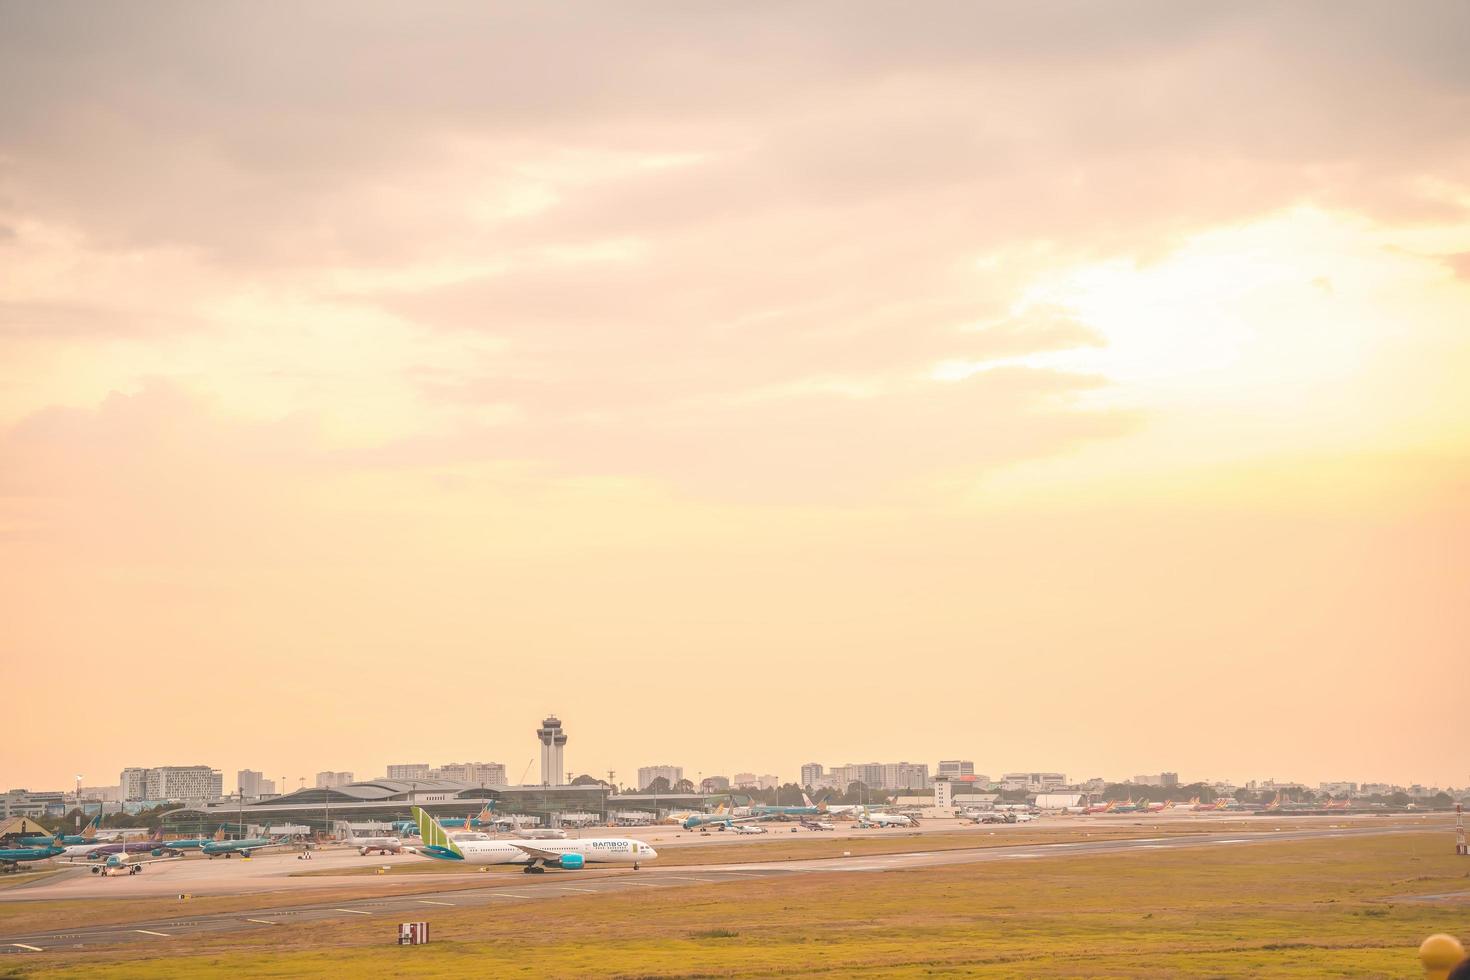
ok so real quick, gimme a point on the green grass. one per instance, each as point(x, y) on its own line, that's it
point(1299, 909)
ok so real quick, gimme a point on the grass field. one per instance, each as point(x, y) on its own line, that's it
point(1300, 909)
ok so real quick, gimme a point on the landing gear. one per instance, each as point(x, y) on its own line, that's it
point(635, 865)
point(533, 869)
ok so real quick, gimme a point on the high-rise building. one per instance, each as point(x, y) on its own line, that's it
point(812, 773)
point(1169, 780)
point(188, 783)
point(409, 770)
point(956, 767)
point(553, 741)
point(331, 780)
point(881, 775)
point(647, 774)
point(133, 784)
point(769, 781)
point(250, 784)
point(745, 780)
point(471, 773)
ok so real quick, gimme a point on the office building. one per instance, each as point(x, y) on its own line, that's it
point(1033, 782)
point(745, 780)
point(647, 774)
point(32, 803)
point(133, 784)
point(471, 773)
point(954, 768)
point(409, 770)
point(173, 783)
point(553, 741)
point(882, 775)
point(330, 780)
point(253, 785)
point(811, 774)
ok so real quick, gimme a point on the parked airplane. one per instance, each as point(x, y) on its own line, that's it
point(154, 845)
point(244, 848)
point(721, 819)
point(747, 828)
point(817, 825)
point(569, 855)
point(484, 819)
point(193, 843)
point(1107, 807)
point(807, 808)
point(382, 845)
point(12, 858)
point(884, 820)
point(88, 834)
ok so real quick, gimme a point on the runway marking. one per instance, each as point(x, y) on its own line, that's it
point(590, 891)
point(150, 932)
point(506, 895)
point(353, 911)
point(1238, 840)
point(682, 878)
point(33, 949)
point(264, 922)
point(743, 874)
point(426, 901)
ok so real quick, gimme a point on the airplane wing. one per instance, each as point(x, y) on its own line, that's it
point(531, 850)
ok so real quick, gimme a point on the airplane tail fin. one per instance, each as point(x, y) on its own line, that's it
point(435, 838)
point(806, 801)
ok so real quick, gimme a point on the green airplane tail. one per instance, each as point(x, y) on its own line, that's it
point(433, 835)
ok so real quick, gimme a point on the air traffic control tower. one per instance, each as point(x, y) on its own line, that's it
point(552, 740)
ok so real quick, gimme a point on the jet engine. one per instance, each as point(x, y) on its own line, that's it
point(572, 862)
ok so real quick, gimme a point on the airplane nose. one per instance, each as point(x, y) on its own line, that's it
point(652, 853)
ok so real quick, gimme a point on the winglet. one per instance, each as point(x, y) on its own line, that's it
point(437, 842)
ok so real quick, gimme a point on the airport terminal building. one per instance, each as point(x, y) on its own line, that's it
point(388, 800)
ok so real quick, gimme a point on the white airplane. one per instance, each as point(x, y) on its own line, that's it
point(381, 845)
point(125, 864)
point(569, 855)
point(747, 828)
point(884, 820)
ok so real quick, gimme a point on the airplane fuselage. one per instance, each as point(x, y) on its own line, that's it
point(594, 850)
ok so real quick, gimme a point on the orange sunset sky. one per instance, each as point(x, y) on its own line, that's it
point(1069, 386)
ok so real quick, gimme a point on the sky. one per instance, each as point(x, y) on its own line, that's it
point(1067, 386)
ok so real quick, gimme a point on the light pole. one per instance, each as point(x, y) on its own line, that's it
point(79, 803)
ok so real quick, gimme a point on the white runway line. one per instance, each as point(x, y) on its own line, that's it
point(33, 949)
point(590, 891)
point(426, 901)
point(682, 878)
point(506, 895)
point(150, 932)
point(353, 911)
point(264, 922)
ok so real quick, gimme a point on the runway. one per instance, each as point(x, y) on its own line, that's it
point(510, 888)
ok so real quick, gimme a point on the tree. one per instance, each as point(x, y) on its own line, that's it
point(586, 780)
point(684, 786)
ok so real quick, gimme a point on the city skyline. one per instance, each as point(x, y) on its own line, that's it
point(1082, 384)
point(630, 777)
